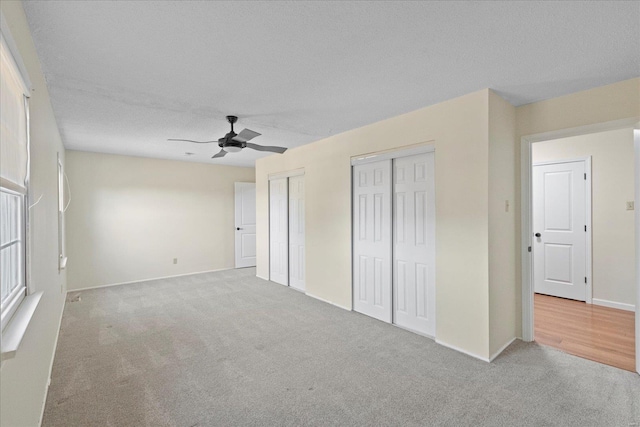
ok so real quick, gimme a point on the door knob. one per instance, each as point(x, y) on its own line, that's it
point(538, 235)
point(238, 228)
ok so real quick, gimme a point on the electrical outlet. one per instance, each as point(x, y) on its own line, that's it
point(630, 206)
point(175, 260)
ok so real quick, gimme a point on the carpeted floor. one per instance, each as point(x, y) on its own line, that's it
point(228, 349)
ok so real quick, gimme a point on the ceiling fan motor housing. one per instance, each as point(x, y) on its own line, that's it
point(228, 141)
point(231, 143)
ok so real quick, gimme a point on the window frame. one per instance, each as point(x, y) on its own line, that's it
point(20, 292)
point(9, 307)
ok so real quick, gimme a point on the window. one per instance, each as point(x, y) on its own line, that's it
point(62, 259)
point(14, 171)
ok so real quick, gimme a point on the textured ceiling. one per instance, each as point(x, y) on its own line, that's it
point(125, 76)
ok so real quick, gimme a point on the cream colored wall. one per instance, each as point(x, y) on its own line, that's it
point(503, 282)
point(23, 379)
point(129, 218)
point(600, 105)
point(612, 186)
point(459, 129)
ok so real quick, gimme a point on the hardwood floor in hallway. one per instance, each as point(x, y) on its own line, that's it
point(602, 334)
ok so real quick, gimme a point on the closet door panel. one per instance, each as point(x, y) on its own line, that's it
point(372, 239)
point(278, 231)
point(296, 232)
point(414, 243)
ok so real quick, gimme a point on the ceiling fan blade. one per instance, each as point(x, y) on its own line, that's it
point(190, 140)
point(266, 148)
point(221, 153)
point(246, 135)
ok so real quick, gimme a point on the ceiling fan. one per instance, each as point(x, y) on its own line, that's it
point(234, 142)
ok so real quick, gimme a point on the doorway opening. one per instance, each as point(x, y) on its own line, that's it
point(580, 283)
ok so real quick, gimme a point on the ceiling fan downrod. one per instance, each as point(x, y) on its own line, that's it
point(232, 120)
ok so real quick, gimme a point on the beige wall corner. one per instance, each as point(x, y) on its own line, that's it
point(23, 384)
point(129, 217)
point(462, 226)
point(503, 284)
point(459, 130)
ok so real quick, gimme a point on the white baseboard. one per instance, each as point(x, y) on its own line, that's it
point(613, 304)
point(308, 294)
point(147, 280)
point(453, 347)
point(328, 302)
point(501, 349)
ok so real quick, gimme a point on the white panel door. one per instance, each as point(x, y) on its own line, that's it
point(414, 248)
point(296, 232)
point(372, 239)
point(245, 224)
point(559, 226)
point(278, 231)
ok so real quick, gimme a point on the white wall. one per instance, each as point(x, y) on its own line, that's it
point(23, 379)
point(612, 158)
point(129, 218)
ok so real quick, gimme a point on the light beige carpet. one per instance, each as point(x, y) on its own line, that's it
point(228, 349)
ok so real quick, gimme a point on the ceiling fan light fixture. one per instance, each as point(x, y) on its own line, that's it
point(232, 149)
point(235, 142)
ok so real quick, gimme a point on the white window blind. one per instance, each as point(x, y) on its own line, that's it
point(14, 169)
point(13, 130)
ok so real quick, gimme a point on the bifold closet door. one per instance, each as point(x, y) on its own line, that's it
point(296, 232)
point(414, 248)
point(278, 231)
point(372, 239)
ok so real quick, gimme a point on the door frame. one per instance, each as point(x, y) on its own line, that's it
point(526, 230)
point(588, 242)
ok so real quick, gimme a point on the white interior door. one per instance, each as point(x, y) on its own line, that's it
point(559, 226)
point(372, 239)
point(278, 231)
point(296, 232)
point(245, 224)
point(414, 247)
